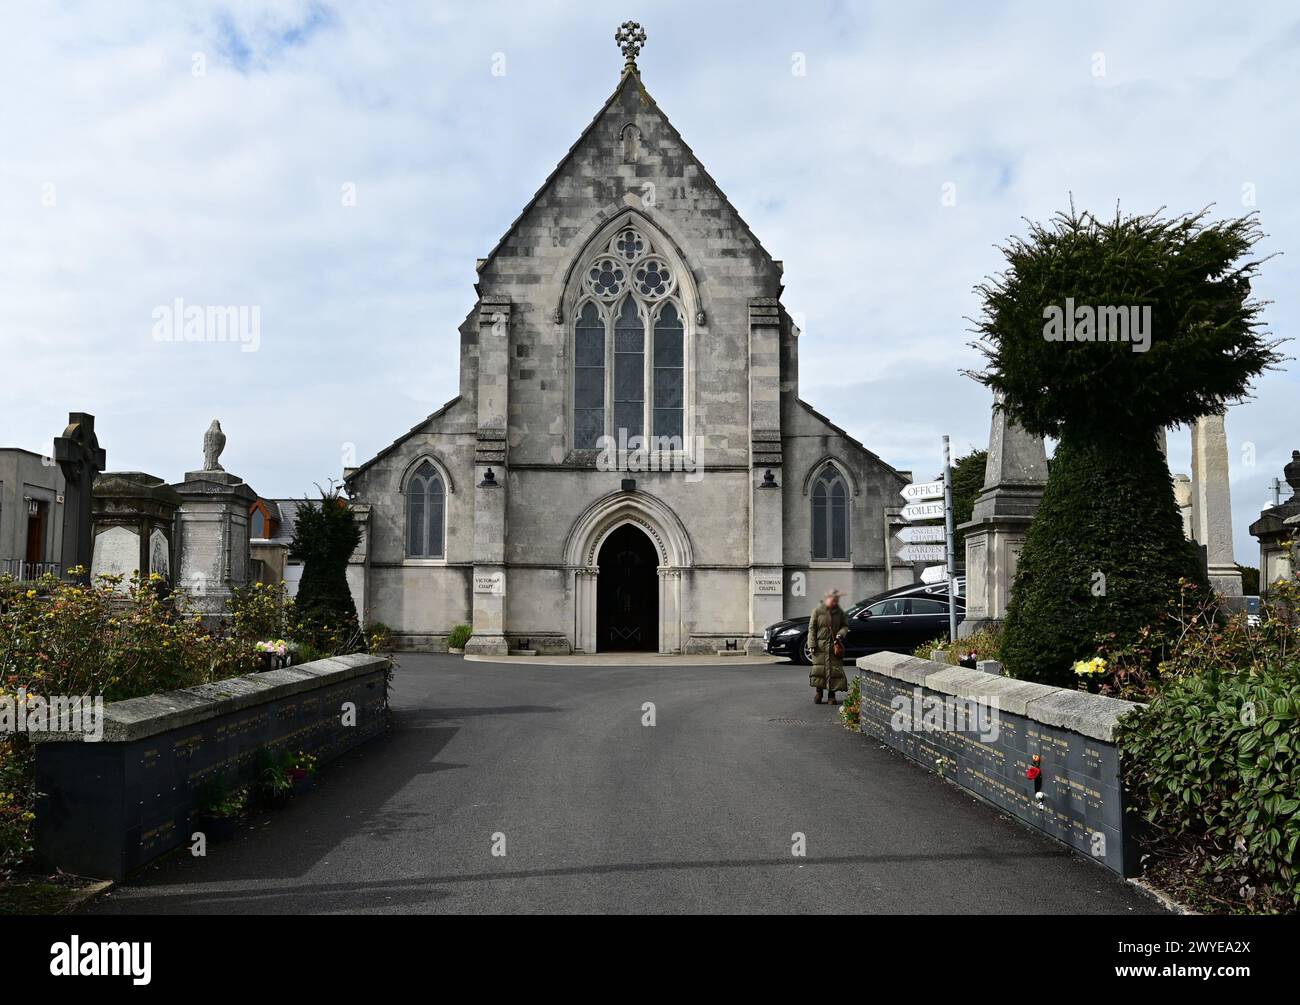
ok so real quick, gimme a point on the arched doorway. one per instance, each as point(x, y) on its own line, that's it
point(671, 556)
point(627, 592)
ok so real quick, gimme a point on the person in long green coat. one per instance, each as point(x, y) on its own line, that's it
point(827, 626)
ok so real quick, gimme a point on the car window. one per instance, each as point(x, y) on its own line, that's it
point(923, 605)
point(890, 608)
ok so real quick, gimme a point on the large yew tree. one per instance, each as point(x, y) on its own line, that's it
point(1106, 550)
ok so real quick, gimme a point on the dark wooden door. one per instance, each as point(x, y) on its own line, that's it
point(627, 593)
point(36, 534)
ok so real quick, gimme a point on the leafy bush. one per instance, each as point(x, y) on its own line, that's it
point(17, 802)
point(1108, 508)
point(1213, 764)
point(325, 535)
point(261, 611)
point(114, 638)
point(117, 639)
point(1197, 636)
point(1104, 555)
point(63, 638)
point(217, 799)
point(1207, 335)
point(459, 636)
point(984, 645)
point(378, 637)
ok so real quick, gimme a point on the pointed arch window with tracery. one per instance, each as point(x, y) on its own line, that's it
point(830, 516)
point(629, 373)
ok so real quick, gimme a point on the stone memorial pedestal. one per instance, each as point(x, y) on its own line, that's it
point(133, 517)
point(1014, 477)
point(212, 540)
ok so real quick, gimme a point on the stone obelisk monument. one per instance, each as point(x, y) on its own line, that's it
point(1212, 504)
point(1014, 477)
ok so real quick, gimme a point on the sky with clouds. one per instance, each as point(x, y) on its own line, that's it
point(203, 151)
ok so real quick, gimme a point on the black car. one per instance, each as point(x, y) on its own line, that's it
point(897, 621)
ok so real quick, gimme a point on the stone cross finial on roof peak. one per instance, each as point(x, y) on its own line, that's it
point(630, 38)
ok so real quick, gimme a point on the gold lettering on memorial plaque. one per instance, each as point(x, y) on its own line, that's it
point(187, 746)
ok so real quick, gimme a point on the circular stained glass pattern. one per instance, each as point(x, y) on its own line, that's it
point(629, 245)
point(652, 278)
point(606, 277)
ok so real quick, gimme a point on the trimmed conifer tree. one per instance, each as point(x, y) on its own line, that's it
point(325, 536)
point(1106, 550)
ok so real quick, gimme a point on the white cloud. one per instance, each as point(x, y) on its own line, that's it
point(226, 188)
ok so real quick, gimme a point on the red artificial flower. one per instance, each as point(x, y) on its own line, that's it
point(1033, 773)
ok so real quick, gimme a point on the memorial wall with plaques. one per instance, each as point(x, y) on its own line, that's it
point(108, 807)
point(982, 732)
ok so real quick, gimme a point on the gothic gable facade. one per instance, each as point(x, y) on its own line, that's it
point(628, 464)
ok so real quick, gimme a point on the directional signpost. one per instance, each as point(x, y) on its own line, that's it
point(920, 491)
point(923, 511)
point(921, 535)
point(952, 559)
point(923, 552)
point(932, 501)
point(934, 574)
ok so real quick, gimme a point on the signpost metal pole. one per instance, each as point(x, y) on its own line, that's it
point(952, 549)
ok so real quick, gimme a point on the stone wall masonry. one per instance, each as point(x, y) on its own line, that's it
point(108, 807)
point(1082, 800)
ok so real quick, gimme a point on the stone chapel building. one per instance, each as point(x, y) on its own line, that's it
point(628, 464)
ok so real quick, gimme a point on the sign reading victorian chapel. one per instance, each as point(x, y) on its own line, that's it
point(604, 320)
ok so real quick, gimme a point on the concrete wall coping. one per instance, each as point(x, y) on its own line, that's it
point(137, 718)
point(1091, 715)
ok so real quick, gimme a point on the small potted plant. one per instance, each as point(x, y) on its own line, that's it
point(456, 640)
point(221, 808)
point(1088, 674)
point(274, 784)
point(302, 772)
point(274, 653)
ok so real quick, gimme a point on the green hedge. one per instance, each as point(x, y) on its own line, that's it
point(1104, 555)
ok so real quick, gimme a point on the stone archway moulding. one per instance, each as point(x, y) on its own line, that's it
point(582, 551)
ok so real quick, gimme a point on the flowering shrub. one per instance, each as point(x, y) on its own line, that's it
point(982, 645)
point(63, 638)
point(852, 707)
point(218, 800)
point(1197, 636)
point(300, 765)
point(17, 797)
point(260, 611)
point(379, 636)
point(1212, 763)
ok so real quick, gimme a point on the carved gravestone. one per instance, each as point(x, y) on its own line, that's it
point(134, 516)
point(80, 458)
